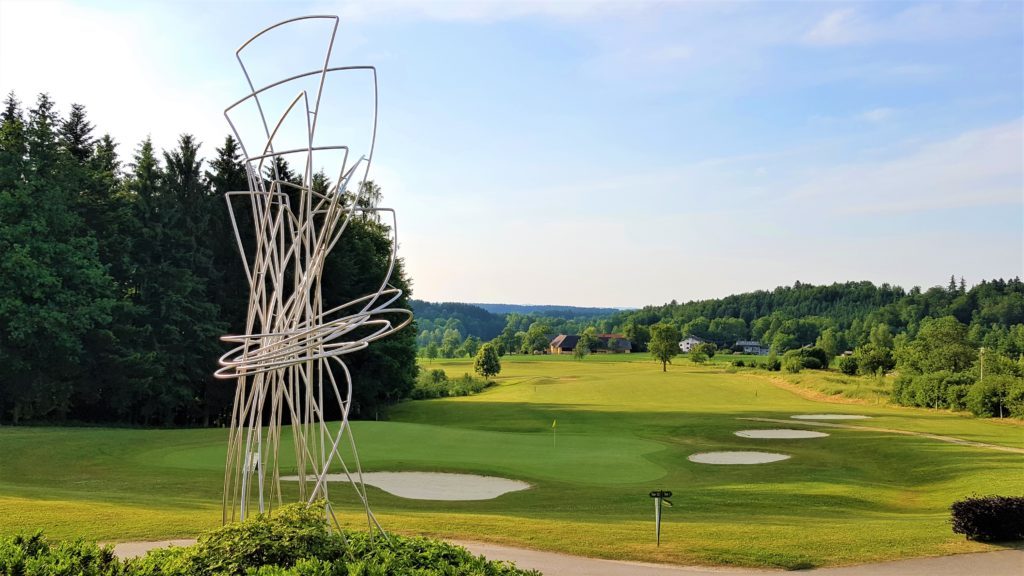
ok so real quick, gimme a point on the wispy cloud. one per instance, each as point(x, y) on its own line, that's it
point(976, 168)
point(485, 10)
point(916, 23)
point(836, 27)
point(877, 115)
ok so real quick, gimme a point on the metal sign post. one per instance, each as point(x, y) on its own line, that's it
point(659, 497)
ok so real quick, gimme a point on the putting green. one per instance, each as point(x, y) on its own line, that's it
point(583, 458)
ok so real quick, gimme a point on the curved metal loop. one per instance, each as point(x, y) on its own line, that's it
point(288, 364)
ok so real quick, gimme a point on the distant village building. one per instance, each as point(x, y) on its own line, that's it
point(689, 342)
point(614, 344)
point(752, 347)
point(563, 344)
point(606, 344)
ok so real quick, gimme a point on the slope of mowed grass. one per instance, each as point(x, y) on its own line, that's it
point(624, 427)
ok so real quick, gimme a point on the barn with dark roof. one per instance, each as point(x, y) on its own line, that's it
point(563, 344)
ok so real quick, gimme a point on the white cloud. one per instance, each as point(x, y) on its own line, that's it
point(836, 27)
point(915, 23)
point(876, 115)
point(482, 10)
point(671, 53)
point(977, 168)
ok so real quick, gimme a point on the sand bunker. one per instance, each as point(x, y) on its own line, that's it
point(435, 485)
point(736, 457)
point(781, 433)
point(829, 417)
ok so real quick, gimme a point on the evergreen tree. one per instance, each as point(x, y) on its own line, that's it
point(55, 290)
point(228, 287)
point(76, 134)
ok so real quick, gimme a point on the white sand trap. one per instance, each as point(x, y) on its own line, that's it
point(736, 457)
point(782, 433)
point(434, 485)
point(829, 417)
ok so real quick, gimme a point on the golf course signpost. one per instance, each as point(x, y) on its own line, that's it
point(659, 497)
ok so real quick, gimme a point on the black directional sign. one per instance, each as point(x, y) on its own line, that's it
point(659, 497)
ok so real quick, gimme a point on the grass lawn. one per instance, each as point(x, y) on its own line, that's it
point(624, 428)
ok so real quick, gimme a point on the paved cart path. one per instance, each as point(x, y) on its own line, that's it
point(940, 438)
point(1001, 563)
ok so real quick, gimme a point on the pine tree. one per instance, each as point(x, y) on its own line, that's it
point(174, 268)
point(228, 287)
point(76, 134)
point(55, 290)
point(13, 147)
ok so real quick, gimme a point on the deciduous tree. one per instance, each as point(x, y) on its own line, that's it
point(664, 344)
point(487, 363)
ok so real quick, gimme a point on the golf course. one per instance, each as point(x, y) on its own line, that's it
point(592, 438)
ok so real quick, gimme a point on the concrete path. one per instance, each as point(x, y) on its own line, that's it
point(940, 438)
point(1001, 563)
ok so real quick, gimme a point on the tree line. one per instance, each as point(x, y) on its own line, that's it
point(117, 278)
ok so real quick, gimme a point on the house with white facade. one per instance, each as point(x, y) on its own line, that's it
point(689, 342)
point(752, 347)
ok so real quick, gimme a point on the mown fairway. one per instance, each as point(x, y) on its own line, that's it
point(624, 428)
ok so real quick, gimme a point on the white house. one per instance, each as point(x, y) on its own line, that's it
point(752, 347)
point(689, 342)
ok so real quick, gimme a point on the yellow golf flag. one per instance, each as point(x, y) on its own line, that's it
point(554, 423)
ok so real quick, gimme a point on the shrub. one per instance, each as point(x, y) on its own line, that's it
point(706, 348)
point(871, 359)
point(811, 363)
point(988, 397)
point(738, 363)
point(1015, 398)
point(34, 555)
point(956, 396)
point(792, 363)
point(847, 365)
point(814, 358)
point(431, 385)
point(989, 518)
point(929, 390)
point(772, 364)
point(295, 541)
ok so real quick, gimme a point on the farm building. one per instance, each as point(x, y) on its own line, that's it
point(613, 344)
point(752, 347)
point(689, 342)
point(563, 344)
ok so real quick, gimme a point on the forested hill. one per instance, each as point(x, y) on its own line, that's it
point(842, 302)
point(784, 318)
point(553, 311)
point(853, 308)
point(473, 320)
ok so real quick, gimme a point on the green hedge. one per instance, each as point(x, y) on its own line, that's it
point(989, 518)
point(435, 384)
point(295, 541)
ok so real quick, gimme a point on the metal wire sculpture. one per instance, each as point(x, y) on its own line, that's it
point(288, 365)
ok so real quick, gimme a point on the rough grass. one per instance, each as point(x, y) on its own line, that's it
point(623, 428)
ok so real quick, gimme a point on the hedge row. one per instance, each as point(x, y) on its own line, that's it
point(295, 541)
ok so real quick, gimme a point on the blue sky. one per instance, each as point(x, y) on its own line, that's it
point(616, 154)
